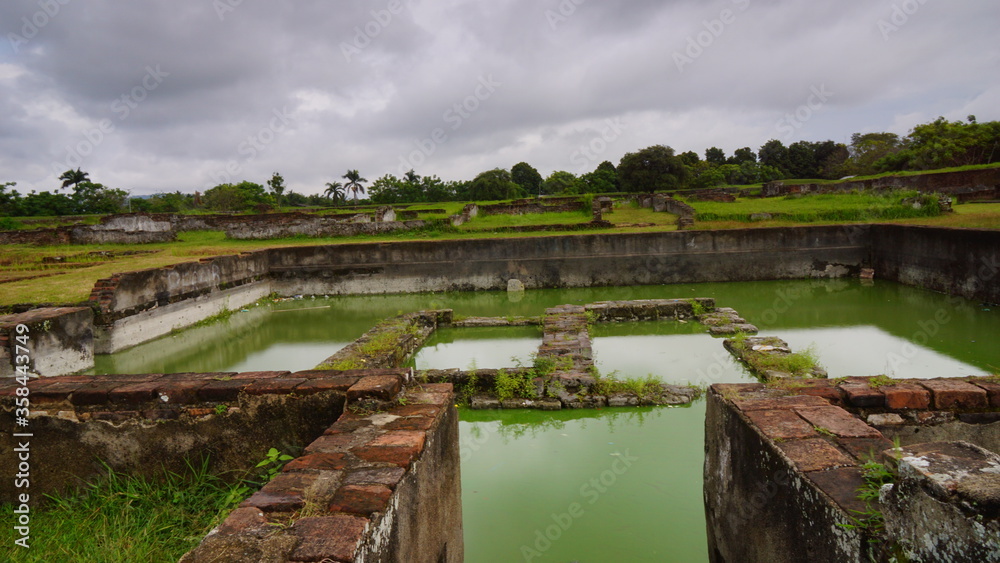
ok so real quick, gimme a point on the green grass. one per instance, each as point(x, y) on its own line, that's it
point(123, 518)
point(818, 207)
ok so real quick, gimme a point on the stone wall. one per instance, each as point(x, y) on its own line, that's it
point(963, 262)
point(788, 460)
point(570, 261)
point(59, 340)
point(965, 185)
point(315, 226)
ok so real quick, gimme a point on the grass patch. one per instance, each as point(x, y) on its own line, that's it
point(868, 206)
point(510, 384)
point(125, 518)
point(488, 222)
point(646, 388)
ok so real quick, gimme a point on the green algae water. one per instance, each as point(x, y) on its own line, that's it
point(606, 484)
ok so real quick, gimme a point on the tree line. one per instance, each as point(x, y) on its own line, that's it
point(929, 146)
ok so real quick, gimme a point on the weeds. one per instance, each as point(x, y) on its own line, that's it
point(880, 381)
point(514, 384)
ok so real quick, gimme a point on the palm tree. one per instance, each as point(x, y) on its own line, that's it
point(354, 182)
point(335, 191)
point(74, 178)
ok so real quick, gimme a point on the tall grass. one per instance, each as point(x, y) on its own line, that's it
point(125, 518)
point(866, 206)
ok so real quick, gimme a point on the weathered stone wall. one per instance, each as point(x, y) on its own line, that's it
point(963, 262)
point(60, 340)
point(965, 185)
point(571, 261)
point(315, 226)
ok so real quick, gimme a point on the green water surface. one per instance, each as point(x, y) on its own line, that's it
point(608, 484)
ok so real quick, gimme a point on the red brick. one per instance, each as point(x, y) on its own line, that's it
point(956, 394)
point(784, 424)
point(861, 395)
point(725, 389)
point(54, 392)
point(864, 449)
point(437, 388)
point(823, 388)
point(161, 414)
point(135, 393)
point(441, 399)
point(842, 486)
point(191, 376)
point(328, 537)
point(275, 386)
point(992, 390)
point(814, 454)
point(253, 375)
point(396, 455)
point(318, 462)
point(179, 392)
point(838, 421)
point(311, 386)
point(282, 494)
point(329, 443)
point(243, 520)
point(416, 410)
point(421, 423)
point(388, 476)
point(362, 500)
point(906, 396)
point(92, 394)
point(222, 390)
point(401, 438)
point(382, 387)
point(346, 424)
point(776, 403)
point(200, 411)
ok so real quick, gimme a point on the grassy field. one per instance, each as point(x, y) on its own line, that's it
point(818, 207)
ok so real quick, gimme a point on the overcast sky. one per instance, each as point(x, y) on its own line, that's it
point(185, 94)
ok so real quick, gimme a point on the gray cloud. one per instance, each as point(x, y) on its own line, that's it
point(312, 88)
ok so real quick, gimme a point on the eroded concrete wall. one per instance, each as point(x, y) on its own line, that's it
point(963, 262)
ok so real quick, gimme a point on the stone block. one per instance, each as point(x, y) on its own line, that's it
point(329, 443)
point(217, 391)
point(842, 486)
point(284, 493)
point(906, 396)
point(135, 393)
point(363, 500)
point(782, 424)
point(790, 402)
point(837, 421)
point(381, 387)
point(318, 462)
point(387, 476)
point(814, 454)
point(861, 395)
point(956, 394)
point(179, 392)
point(274, 386)
point(333, 538)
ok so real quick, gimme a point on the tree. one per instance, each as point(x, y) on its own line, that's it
point(494, 185)
point(526, 176)
point(742, 155)
point(868, 148)
point(354, 182)
point(774, 153)
point(277, 187)
point(74, 178)
point(715, 155)
point(652, 169)
point(336, 192)
point(690, 158)
point(562, 182)
point(237, 197)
